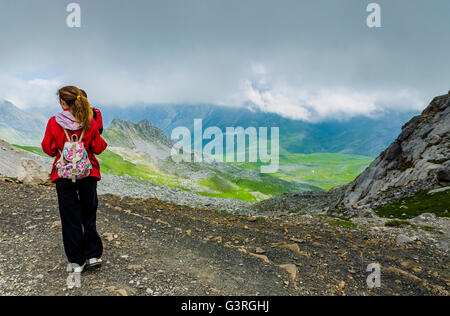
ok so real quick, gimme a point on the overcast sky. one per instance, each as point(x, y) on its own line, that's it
point(304, 59)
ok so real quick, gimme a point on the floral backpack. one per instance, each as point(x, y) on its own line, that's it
point(74, 162)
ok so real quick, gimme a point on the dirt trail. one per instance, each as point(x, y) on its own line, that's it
point(153, 248)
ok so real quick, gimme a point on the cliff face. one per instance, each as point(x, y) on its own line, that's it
point(418, 158)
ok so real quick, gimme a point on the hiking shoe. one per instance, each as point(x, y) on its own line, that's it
point(94, 262)
point(75, 267)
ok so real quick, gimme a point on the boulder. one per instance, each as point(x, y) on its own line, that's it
point(31, 172)
point(443, 174)
point(403, 240)
point(425, 218)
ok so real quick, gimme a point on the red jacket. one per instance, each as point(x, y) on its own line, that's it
point(55, 138)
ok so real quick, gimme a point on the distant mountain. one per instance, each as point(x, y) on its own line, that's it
point(20, 127)
point(360, 135)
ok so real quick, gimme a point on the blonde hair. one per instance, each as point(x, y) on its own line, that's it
point(78, 104)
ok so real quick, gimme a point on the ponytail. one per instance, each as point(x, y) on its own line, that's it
point(78, 104)
point(82, 111)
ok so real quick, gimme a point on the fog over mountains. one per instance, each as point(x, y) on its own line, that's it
point(360, 135)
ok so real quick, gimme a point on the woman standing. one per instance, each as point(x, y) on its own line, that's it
point(77, 197)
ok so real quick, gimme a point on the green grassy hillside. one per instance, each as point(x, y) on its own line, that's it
point(320, 170)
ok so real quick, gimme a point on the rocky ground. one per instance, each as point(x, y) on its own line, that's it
point(156, 248)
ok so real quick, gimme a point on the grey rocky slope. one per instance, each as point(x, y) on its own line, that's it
point(417, 159)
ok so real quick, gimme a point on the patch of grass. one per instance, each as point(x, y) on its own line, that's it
point(345, 224)
point(405, 166)
point(322, 170)
point(11, 179)
point(236, 194)
point(401, 223)
point(426, 228)
point(422, 202)
point(113, 163)
point(227, 186)
point(34, 150)
point(218, 183)
point(437, 162)
point(397, 223)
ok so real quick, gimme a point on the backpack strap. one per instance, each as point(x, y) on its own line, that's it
point(67, 134)
point(82, 135)
point(70, 139)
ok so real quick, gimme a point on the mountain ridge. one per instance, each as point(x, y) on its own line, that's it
point(20, 127)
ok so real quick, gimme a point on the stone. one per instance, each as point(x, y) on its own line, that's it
point(291, 269)
point(262, 257)
point(122, 292)
point(367, 213)
point(31, 172)
point(341, 286)
point(425, 218)
point(295, 248)
point(403, 239)
point(439, 190)
point(260, 251)
point(443, 174)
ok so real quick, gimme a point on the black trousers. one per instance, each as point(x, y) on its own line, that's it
point(78, 204)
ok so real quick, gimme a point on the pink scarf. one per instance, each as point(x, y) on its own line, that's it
point(67, 120)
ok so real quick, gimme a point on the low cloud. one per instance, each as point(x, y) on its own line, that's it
point(326, 103)
point(263, 92)
point(28, 94)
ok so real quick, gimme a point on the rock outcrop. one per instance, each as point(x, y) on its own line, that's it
point(31, 172)
point(11, 158)
point(416, 160)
